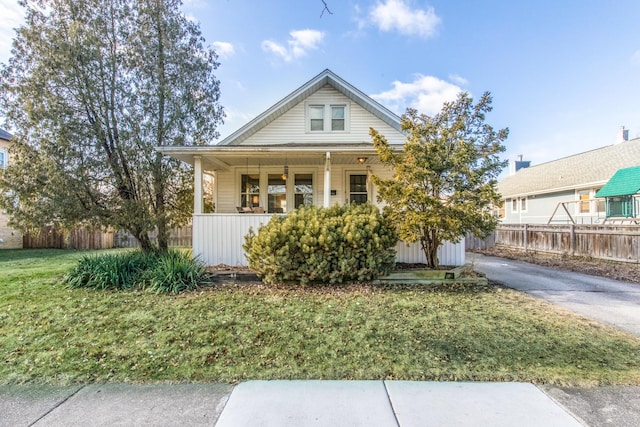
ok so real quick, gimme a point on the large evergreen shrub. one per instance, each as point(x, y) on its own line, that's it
point(323, 245)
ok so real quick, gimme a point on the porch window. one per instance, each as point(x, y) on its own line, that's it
point(303, 190)
point(250, 191)
point(277, 194)
point(316, 113)
point(337, 117)
point(358, 189)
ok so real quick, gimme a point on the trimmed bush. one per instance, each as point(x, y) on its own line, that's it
point(323, 245)
point(169, 272)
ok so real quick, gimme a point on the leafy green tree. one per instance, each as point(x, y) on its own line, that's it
point(444, 180)
point(92, 87)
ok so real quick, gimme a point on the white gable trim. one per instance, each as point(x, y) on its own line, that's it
point(327, 77)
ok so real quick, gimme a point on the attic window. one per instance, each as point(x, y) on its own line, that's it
point(337, 117)
point(316, 113)
point(328, 118)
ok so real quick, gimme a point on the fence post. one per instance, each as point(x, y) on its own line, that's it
point(572, 239)
point(526, 237)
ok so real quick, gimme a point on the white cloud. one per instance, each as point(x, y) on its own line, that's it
point(426, 94)
point(397, 15)
point(301, 42)
point(224, 49)
point(460, 81)
point(12, 17)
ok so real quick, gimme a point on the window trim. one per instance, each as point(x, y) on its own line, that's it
point(526, 204)
point(514, 205)
point(327, 117)
point(5, 159)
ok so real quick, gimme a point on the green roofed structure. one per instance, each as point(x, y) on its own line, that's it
point(621, 193)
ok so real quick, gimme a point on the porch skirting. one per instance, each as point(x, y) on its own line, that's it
point(218, 239)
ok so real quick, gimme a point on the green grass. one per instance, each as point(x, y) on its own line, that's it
point(52, 334)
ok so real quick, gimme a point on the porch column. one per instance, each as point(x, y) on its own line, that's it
point(327, 180)
point(197, 185)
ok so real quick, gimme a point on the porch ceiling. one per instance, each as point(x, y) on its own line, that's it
point(224, 157)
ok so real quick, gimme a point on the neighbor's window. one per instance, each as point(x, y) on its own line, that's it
point(337, 117)
point(585, 205)
point(250, 191)
point(303, 190)
point(316, 113)
point(523, 204)
point(277, 190)
point(3, 159)
point(514, 205)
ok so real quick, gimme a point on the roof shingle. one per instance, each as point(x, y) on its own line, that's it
point(593, 167)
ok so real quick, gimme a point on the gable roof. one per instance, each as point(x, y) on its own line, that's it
point(327, 77)
point(5, 135)
point(591, 168)
point(623, 183)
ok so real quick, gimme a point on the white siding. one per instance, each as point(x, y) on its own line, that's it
point(228, 183)
point(218, 239)
point(291, 126)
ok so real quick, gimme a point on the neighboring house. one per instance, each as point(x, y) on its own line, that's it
point(9, 238)
point(564, 191)
point(311, 148)
point(621, 194)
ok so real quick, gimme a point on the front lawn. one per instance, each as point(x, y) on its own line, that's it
point(51, 334)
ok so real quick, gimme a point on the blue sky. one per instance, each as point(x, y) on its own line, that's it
point(564, 75)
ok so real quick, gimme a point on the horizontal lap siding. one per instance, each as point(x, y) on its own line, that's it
point(291, 126)
point(218, 239)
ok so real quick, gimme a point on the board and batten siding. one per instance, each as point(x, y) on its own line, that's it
point(218, 239)
point(291, 127)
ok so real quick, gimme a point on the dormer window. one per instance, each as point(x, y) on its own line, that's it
point(327, 118)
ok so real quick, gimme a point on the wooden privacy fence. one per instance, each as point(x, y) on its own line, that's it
point(86, 238)
point(179, 236)
point(78, 238)
point(611, 242)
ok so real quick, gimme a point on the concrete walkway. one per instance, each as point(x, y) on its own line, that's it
point(284, 403)
point(609, 301)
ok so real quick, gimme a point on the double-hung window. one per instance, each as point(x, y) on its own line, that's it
point(337, 117)
point(316, 115)
point(327, 117)
point(250, 191)
point(3, 159)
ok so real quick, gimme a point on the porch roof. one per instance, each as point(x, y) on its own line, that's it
point(623, 183)
point(222, 157)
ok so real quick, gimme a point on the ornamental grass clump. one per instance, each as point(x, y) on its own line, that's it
point(164, 272)
point(323, 245)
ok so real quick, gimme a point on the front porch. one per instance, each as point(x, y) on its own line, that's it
point(218, 239)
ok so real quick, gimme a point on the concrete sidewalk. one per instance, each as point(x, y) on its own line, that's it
point(284, 403)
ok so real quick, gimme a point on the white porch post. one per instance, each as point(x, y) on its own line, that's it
point(327, 180)
point(197, 185)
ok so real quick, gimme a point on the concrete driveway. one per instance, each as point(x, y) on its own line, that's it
point(609, 301)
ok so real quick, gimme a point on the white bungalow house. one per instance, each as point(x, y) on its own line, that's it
point(564, 191)
point(312, 147)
